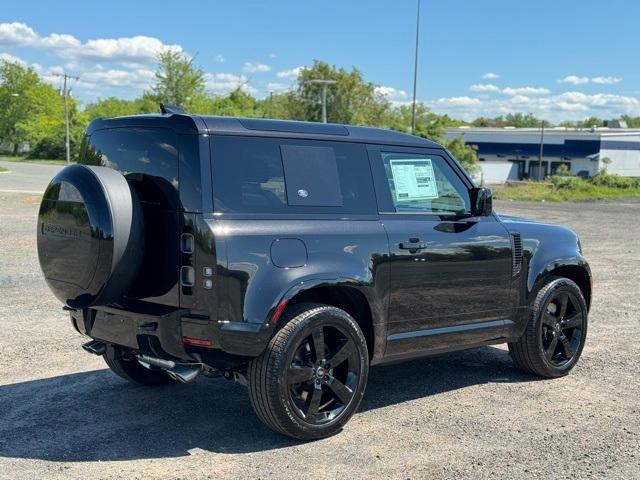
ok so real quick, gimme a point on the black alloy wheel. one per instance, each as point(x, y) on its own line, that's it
point(323, 374)
point(311, 378)
point(554, 337)
point(562, 324)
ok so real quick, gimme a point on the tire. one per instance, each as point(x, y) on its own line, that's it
point(128, 367)
point(555, 334)
point(90, 236)
point(326, 395)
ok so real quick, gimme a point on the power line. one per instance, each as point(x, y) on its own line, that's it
point(65, 94)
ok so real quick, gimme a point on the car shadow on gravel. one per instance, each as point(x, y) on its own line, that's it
point(94, 416)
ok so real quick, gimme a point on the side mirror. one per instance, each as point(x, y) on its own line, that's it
point(481, 202)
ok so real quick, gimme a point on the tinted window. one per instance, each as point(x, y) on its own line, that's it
point(147, 157)
point(424, 183)
point(311, 176)
point(266, 175)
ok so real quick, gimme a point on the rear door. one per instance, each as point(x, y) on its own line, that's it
point(450, 271)
point(149, 160)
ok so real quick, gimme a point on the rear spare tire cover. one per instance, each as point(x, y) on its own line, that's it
point(90, 235)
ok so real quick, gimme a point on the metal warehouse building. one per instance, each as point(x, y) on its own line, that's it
point(513, 153)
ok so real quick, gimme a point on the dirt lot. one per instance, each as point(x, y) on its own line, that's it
point(471, 414)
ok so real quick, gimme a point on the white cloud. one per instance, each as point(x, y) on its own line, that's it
point(255, 67)
point(458, 102)
point(118, 78)
point(133, 49)
point(7, 57)
point(390, 92)
point(525, 91)
point(601, 80)
point(17, 34)
point(226, 82)
point(483, 87)
point(278, 87)
point(574, 80)
point(490, 76)
point(138, 49)
point(219, 58)
point(570, 105)
point(606, 80)
point(293, 73)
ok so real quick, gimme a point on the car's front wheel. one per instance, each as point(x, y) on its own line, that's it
point(554, 337)
point(312, 376)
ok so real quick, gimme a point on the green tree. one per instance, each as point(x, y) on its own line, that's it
point(178, 80)
point(17, 85)
point(466, 156)
point(520, 120)
point(112, 107)
point(489, 122)
point(350, 100)
point(632, 122)
point(237, 104)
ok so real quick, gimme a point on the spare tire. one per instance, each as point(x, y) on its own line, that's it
point(90, 235)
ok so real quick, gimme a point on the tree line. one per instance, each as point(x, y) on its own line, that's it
point(31, 110)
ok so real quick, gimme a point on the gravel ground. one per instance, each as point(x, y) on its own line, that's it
point(469, 414)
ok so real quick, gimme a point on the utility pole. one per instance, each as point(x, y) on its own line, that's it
point(65, 95)
point(324, 84)
point(541, 153)
point(415, 72)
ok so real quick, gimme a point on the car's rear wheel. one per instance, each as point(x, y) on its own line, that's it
point(128, 367)
point(556, 332)
point(312, 376)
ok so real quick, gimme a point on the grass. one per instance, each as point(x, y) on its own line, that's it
point(2, 169)
point(46, 161)
point(559, 189)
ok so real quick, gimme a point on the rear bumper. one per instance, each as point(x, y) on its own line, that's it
point(166, 332)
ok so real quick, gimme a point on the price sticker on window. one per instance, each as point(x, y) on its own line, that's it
point(414, 179)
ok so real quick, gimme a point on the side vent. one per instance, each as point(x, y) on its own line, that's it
point(516, 244)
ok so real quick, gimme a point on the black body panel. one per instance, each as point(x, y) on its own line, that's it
point(418, 283)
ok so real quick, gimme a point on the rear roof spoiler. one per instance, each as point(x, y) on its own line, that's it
point(168, 108)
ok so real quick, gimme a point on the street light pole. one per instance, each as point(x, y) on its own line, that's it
point(65, 94)
point(415, 72)
point(541, 152)
point(324, 84)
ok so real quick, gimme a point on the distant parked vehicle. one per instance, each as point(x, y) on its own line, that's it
point(291, 256)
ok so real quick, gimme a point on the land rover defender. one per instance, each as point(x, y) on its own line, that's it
point(291, 256)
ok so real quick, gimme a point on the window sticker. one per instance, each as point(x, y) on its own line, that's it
point(413, 179)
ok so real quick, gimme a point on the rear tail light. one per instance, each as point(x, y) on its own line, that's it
point(197, 342)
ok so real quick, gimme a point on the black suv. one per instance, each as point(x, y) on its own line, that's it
point(291, 256)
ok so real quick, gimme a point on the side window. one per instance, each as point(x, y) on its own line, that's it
point(271, 175)
point(424, 184)
point(311, 176)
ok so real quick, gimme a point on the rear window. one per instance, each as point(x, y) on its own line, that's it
point(267, 175)
point(148, 157)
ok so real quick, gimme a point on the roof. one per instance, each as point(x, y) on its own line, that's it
point(595, 133)
point(196, 124)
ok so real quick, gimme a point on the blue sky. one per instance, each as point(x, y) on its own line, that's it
point(563, 59)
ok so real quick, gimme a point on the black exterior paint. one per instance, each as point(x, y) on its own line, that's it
point(457, 292)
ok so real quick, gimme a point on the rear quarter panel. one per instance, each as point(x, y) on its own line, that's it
point(338, 252)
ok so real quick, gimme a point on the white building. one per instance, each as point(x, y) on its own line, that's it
point(513, 153)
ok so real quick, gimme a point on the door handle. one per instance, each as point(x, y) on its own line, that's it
point(413, 245)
